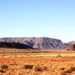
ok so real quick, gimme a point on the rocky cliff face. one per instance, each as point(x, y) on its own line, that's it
point(40, 42)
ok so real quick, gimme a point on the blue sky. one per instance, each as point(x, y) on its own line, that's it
point(38, 18)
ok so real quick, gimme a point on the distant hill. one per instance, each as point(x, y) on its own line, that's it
point(39, 42)
point(14, 45)
point(70, 46)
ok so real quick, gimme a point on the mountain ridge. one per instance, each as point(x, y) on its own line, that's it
point(37, 42)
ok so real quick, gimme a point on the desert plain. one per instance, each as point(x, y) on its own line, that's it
point(36, 62)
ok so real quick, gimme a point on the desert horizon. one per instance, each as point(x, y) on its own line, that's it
point(37, 37)
point(36, 62)
point(36, 56)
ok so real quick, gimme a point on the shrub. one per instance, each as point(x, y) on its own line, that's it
point(72, 68)
point(66, 72)
point(28, 66)
point(62, 68)
point(59, 55)
point(4, 66)
point(39, 68)
point(2, 71)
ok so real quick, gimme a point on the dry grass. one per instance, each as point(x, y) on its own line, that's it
point(28, 62)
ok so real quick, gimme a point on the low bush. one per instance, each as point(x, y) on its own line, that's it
point(28, 66)
point(68, 71)
point(62, 68)
point(72, 68)
point(4, 66)
point(39, 68)
point(2, 71)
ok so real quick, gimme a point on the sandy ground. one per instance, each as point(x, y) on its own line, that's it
point(36, 63)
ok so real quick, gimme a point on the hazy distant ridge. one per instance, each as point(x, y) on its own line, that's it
point(37, 42)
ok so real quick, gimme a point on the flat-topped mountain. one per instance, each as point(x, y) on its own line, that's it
point(37, 42)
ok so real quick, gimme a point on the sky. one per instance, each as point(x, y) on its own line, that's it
point(38, 18)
